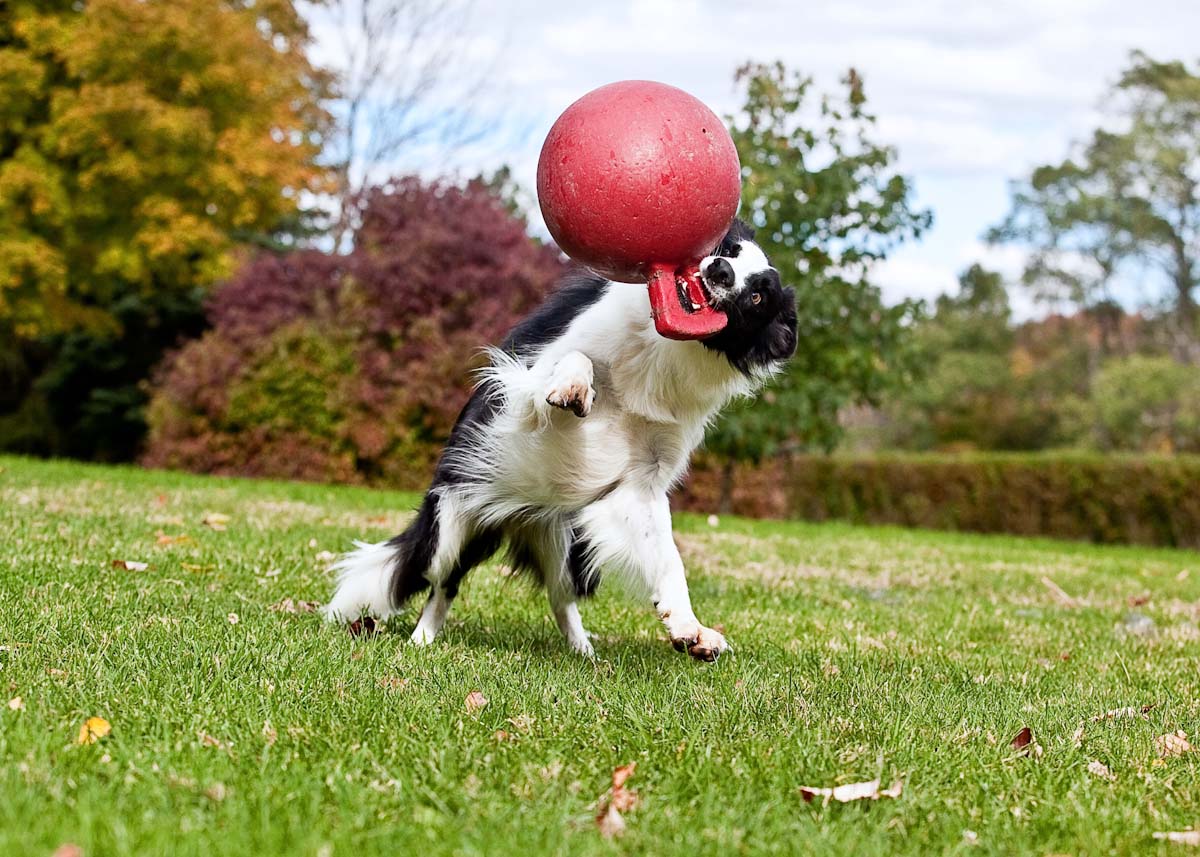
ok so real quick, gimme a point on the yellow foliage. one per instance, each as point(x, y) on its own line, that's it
point(141, 140)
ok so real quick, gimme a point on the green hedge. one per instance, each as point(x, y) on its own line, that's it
point(1121, 499)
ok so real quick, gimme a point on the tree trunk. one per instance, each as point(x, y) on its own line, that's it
point(725, 503)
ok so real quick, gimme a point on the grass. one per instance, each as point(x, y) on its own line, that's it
point(239, 729)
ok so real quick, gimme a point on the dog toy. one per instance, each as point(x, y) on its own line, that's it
point(639, 181)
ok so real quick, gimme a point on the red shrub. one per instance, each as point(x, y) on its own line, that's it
point(351, 367)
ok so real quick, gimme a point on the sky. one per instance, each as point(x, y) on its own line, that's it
point(971, 94)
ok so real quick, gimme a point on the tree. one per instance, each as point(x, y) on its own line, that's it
point(1124, 209)
point(827, 204)
point(141, 143)
point(352, 366)
point(407, 77)
point(965, 395)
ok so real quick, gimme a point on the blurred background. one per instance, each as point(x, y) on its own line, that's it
point(267, 238)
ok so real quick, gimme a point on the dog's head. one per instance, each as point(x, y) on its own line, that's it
point(761, 311)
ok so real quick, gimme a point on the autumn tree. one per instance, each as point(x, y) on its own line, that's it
point(828, 204)
point(1123, 211)
point(140, 144)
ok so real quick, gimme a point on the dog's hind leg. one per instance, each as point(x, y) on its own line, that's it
point(460, 547)
point(545, 549)
point(436, 550)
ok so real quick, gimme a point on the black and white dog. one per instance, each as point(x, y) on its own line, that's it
point(577, 431)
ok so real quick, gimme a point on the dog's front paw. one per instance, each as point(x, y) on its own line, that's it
point(572, 394)
point(704, 645)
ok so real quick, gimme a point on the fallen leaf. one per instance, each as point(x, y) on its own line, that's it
point(187, 566)
point(1182, 837)
point(93, 729)
point(615, 801)
point(610, 822)
point(1172, 744)
point(1100, 770)
point(166, 539)
point(216, 792)
point(1023, 742)
point(210, 741)
point(215, 521)
point(1138, 600)
point(364, 627)
point(291, 605)
point(269, 734)
point(16, 704)
point(851, 792)
point(475, 701)
point(1059, 594)
point(130, 565)
point(393, 682)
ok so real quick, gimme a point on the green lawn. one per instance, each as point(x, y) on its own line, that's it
point(242, 729)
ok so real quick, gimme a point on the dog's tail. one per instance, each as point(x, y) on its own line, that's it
point(377, 579)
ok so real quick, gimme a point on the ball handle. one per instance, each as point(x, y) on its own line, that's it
point(672, 318)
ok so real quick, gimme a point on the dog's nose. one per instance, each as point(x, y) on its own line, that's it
point(719, 274)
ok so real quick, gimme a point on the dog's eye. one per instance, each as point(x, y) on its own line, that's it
point(756, 298)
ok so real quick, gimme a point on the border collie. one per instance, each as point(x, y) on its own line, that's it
point(567, 449)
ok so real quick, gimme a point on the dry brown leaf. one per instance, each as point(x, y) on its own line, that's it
point(210, 741)
point(1059, 594)
point(475, 701)
point(1100, 770)
point(291, 605)
point(16, 704)
point(615, 801)
point(851, 792)
point(1024, 742)
point(269, 734)
point(610, 822)
point(215, 521)
point(364, 627)
point(393, 682)
point(92, 730)
point(1172, 744)
point(130, 565)
point(1182, 837)
point(167, 539)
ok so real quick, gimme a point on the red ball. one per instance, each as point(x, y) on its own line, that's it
point(637, 174)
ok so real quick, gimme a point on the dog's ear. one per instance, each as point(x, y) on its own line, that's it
point(738, 232)
point(781, 333)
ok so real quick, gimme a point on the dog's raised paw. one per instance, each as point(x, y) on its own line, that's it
point(575, 396)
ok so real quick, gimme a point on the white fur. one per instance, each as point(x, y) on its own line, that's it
point(544, 470)
point(362, 588)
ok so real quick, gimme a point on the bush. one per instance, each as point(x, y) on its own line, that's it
point(1126, 499)
point(352, 368)
point(1145, 403)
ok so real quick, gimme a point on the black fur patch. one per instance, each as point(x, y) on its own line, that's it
point(414, 553)
point(477, 549)
point(580, 289)
point(583, 573)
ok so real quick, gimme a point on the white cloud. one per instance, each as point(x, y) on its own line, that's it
point(972, 94)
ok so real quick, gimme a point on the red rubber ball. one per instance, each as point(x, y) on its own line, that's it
point(638, 173)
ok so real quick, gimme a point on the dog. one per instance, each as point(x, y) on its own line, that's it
point(567, 449)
